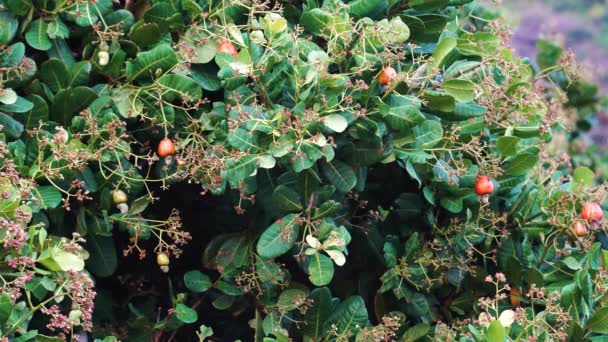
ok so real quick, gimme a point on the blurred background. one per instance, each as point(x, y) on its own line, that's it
point(577, 25)
point(580, 25)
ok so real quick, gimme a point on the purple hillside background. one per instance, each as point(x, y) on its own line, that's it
point(581, 31)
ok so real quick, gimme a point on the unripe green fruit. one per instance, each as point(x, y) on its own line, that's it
point(75, 316)
point(119, 196)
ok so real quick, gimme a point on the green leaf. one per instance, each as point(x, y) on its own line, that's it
point(165, 15)
point(335, 122)
point(428, 134)
point(327, 208)
point(291, 299)
point(185, 314)
point(56, 259)
point(204, 332)
point(121, 16)
point(228, 288)
point(416, 332)
point(507, 145)
point(79, 74)
point(452, 204)
point(8, 27)
point(340, 175)
point(425, 5)
point(206, 52)
point(47, 196)
point(368, 8)
point(461, 90)
point(496, 332)
point(268, 271)
point(399, 32)
point(180, 87)
point(20, 106)
point(102, 261)
point(521, 164)
point(10, 126)
point(223, 302)
point(68, 102)
point(57, 29)
point(479, 43)
point(316, 20)
point(320, 269)
point(232, 253)
point(243, 140)
point(145, 35)
point(6, 307)
point(598, 322)
point(37, 36)
point(441, 102)
point(267, 161)
point(287, 198)
point(548, 54)
point(278, 239)
point(205, 76)
point(460, 68)
point(139, 205)
point(572, 263)
point(61, 51)
point(239, 169)
point(146, 64)
point(55, 74)
point(463, 111)
point(348, 317)
point(583, 176)
point(196, 281)
point(318, 313)
point(443, 49)
point(8, 96)
point(400, 111)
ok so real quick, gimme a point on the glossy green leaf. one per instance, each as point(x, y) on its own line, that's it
point(368, 8)
point(320, 269)
point(521, 164)
point(349, 316)
point(185, 313)
point(507, 145)
point(287, 198)
point(340, 175)
point(47, 196)
point(461, 90)
point(37, 36)
point(428, 134)
point(496, 332)
point(196, 281)
point(10, 126)
point(148, 64)
point(180, 87)
point(316, 20)
point(279, 237)
point(416, 332)
point(291, 299)
point(8, 27)
point(598, 322)
point(69, 102)
point(443, 49)
point(103, 259)
point(55, 74)
point(583, 176)
point(239, 169)
point(318, 313)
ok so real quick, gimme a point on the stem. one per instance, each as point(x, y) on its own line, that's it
point(30, 313)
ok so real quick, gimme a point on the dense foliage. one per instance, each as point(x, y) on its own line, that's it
point(368, 170)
